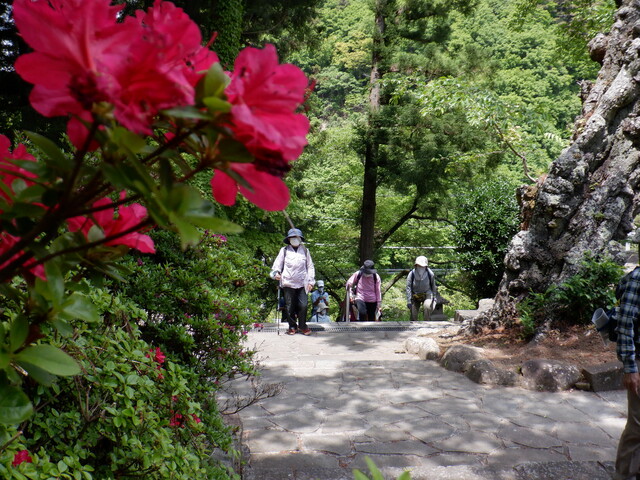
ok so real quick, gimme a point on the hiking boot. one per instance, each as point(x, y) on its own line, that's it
point(292, 331)
point(306, 331)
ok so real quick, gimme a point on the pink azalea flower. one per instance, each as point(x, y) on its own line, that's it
point(9, 171)
point(176, 420)
point(83, 56)
point(21, 457)
point(6, 242)
point(195, 418)
point(267, 191)
point(112, 224)
point(265, 96)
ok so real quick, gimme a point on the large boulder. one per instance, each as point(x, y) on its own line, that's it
point(549, 375)
point(484, 305)
point(485, 372)
point(426, 348)
point(457, 357)
point(429, 349)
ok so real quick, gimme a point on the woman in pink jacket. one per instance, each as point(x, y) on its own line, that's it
point(365, 286)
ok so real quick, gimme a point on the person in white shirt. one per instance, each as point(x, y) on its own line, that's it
point(294, 269)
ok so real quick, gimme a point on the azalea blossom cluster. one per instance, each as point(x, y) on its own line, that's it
point(157, 356)
point(21, 457)
point(100, 69)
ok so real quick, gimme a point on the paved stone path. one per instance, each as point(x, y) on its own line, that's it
point(351, 394)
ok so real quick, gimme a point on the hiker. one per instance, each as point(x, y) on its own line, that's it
point(294, 269)
point(364, 286)
point(421, 289)
point(320, 304)
point(628, 456)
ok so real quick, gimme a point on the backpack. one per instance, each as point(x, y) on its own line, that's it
point(432, 280)
point(606, 323)
point(354, 287)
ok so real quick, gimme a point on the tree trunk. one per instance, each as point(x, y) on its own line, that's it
point(370, 181)
point(590, 197)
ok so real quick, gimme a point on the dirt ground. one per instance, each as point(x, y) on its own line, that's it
point(579, 345)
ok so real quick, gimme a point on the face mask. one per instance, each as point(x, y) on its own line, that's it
point(321, 289)
point(294, 241)
point(420, 269)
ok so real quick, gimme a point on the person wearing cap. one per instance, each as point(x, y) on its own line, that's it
point(294, 269)
point(627, 343)
point(364, 285)
point(421, 289)
point(319, 304)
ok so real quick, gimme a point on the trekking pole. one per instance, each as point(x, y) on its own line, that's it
point(348, 305)
point(288, 218)
point(278, 313)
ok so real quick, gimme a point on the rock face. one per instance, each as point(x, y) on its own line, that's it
point(485, 372)
point(457, 357)
point(549, 375)
point(588, 200)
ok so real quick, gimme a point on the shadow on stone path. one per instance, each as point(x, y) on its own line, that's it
point(348, 395)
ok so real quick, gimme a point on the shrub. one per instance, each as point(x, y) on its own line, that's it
point(133, 412)
point(574, 300)
point(200, 302)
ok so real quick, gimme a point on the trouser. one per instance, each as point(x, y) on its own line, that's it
point(366, 311)
point(295, 300)
point(628, 457)
point(428, 305)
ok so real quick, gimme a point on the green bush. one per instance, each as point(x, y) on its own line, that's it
point(487, 220)
point(574, 300)
point(133, 412)
point(200, 302)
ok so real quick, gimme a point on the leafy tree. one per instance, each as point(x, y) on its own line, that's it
point(486, 220)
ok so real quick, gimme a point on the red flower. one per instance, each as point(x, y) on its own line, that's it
point(83, 56)
point(158, 356)
point(6, 242)
point(176, 420)
point(21, 457)
point(9, 171)
point(264, 96)
point(195, 418)
point(267, 191)
point(112, 224)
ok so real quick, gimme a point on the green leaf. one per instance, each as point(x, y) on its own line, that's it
point(377, 475)
point(38, 374)
point(404, 476)
point(187, 112)
point(127, 140)
point(55, 282)
point(78, 307)
point(4, 359)
point(19, 332)
point(217, 105)
point(54, 157)
point(49, 358)
point(234, 151)
point(189, 235)
point(15, 406)
point(358, 475)
point(213, 83)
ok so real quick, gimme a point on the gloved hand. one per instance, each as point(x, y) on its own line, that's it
point(409, 306)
